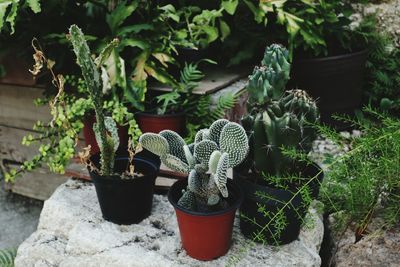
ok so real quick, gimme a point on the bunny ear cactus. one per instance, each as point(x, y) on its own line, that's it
point(105, 128)
point(224, 145)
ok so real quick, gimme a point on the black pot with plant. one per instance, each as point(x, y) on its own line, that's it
point(328, 51)
point(278, 182)
point(124, 186)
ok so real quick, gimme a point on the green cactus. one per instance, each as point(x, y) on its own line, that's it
point(105, 128)
point(268, 82)
point(282, 119)
point(224, 145)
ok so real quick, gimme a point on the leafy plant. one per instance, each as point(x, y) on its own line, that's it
point(9, 10)
point(224, 145)
point(382, 75)
point(7, 257)
point(364, 182)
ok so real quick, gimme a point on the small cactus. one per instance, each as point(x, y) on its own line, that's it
point(224, 145)
point(268, 81)
point(277, 118)
point(105, 127)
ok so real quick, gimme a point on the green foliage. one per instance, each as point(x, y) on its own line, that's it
point(9, 10)
point(365, 181)
point(7, 257)
point(381, 89)
point(224, 145)
point(201, 112)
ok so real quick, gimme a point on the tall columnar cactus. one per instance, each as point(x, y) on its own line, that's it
point(224, 145)
point(282, 121)
point(105, 128)
point(268, 82)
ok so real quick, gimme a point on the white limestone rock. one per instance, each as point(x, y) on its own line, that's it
point(72, 233)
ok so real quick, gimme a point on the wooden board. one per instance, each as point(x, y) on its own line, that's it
point(17, 108)
point(214, 80)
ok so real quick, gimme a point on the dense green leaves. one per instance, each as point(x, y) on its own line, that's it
point(7, 257)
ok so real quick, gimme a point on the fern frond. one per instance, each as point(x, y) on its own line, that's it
point(7, 257)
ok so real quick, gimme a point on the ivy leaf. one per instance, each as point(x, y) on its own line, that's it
point(258, 13)
point(12, 15)
point(3, 9)
point(34, 5)
point(230, 6)
point(224, 29)
point(212, 33)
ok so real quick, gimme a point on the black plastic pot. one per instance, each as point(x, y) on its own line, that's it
point(256, 226)
point(336, 82)
point(126, 201)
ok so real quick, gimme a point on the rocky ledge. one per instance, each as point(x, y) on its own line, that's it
point(72, 232)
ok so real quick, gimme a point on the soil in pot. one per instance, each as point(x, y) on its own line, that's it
point(335, 82)
point(126, 201)
point(90, 138)
point(271, 215)
point(153, 123)
point(206, 235)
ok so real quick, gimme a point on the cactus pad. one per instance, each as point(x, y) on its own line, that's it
point(175, 142)
point(154, 143)
point(220, 177)
point(215, 129)
point(233, 140)
point(174, 163)
point(203, 150)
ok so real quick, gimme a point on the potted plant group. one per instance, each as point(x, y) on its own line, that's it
point(205, 203)
point(278, 186)
point(328, 50)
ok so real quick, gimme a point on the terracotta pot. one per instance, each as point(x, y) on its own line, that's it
point(90, 138)
point(205, 236)
point(152, 123)
point(335, 82)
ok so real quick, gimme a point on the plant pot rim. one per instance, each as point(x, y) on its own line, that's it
point(232, 207)
point(116, 178)
point(169, 115)
point(242, 177)
point(330, 58)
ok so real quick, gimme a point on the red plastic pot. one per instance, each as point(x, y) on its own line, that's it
point(153, 123)
point(90, 138)
point(206, 236)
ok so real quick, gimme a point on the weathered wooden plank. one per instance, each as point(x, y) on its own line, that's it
point(214, 80)
point(17, 108)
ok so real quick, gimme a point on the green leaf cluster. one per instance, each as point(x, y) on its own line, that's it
point(365, 181)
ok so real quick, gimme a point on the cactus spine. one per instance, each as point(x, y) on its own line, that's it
point(105, 127)
point(277, 118)
point(224, 145)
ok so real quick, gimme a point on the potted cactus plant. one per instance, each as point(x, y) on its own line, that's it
point(124, 184)
point(206, 202)
point(278, 188)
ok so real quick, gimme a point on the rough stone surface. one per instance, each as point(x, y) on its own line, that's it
point(377, 249)
point(388, 15)
point(72, 232)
